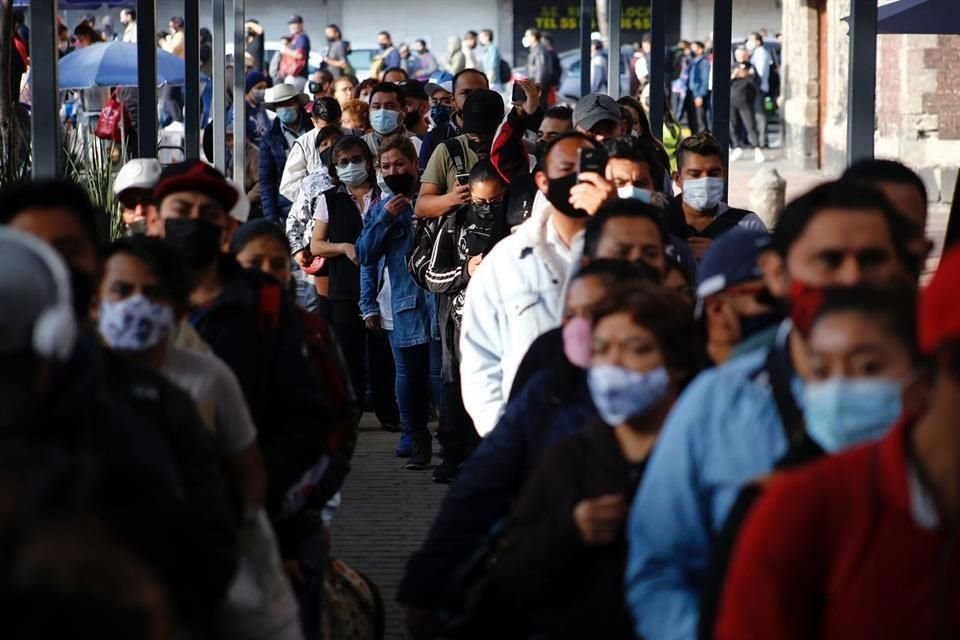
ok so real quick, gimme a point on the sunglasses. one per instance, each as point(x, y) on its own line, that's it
point(343, 162)
point(131, 200)
point(316, 87)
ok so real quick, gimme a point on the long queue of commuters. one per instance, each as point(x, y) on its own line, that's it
point(659, 418)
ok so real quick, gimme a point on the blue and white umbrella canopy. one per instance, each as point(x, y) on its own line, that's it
point(114, 64)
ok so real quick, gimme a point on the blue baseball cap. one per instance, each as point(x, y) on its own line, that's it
point(440, 81)
point(731, 260)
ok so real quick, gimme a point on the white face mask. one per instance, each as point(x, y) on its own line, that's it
point(703, 194)
point(385, 191)
point(135, 323)
point(630, 192)
point(526, 42)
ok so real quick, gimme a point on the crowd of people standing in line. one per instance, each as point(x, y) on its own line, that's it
point(659, 418)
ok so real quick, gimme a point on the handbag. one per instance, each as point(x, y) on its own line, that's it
point(114, 120)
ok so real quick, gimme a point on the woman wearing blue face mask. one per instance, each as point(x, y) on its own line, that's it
point(564, 550)
point(862, 376)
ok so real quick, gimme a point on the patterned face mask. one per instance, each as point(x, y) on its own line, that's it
point(135, 323)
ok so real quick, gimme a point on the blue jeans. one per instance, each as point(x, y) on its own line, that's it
point(306, 291)
point(418, 376)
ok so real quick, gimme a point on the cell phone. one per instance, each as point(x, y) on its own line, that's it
point(463, 179)
point(519, 95)
point(594, 160)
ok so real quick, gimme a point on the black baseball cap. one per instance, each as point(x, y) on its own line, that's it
point(412, 89)
point(295, 19)
point(326, 108)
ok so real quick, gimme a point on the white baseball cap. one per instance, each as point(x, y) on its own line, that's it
point(139, 173)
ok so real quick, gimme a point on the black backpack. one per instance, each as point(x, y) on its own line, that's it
point(425, 234)
point(505, 72)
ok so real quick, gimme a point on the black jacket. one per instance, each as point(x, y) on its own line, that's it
point(461, 235)
point(548, 409)
point(257, 331)
point(571, 590)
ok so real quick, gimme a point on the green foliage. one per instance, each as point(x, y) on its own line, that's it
point(90, 164)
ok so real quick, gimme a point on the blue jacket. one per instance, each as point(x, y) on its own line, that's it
point(698, 82)
point(389, 239)
point(724, 431)
point(492, 479)
point(273, 156)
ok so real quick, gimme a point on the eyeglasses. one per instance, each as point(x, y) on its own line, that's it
point(343, 162)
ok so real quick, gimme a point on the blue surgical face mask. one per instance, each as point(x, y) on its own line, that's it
point(620, 394)
point(703, 194)
point(630, 192)
point(288, 115)
point(384, 121)
point(842, 412)
point(352, 174)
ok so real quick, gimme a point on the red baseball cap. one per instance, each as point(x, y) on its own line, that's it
point(195, 175)
point(939, 320)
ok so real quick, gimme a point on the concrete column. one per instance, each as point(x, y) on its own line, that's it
point(504, 34)
point(800, 82)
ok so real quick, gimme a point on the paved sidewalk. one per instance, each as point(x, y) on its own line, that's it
point(385, 515)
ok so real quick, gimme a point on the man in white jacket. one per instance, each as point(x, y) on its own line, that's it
point(517, 291)
point(304, 156)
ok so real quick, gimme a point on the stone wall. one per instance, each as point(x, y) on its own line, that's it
point(800, 82)
point(918, 107)
point(918, 96)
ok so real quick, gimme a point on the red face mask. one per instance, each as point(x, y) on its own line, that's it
point(805, 302)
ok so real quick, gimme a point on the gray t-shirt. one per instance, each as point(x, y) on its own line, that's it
point(216, 393)
point(336, 51)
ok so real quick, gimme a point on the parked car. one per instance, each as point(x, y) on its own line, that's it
point(361, 60)
point(569, 90)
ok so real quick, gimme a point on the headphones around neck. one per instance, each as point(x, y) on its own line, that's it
point(55, 329)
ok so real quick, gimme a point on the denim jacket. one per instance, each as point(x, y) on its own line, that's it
point(387, 240)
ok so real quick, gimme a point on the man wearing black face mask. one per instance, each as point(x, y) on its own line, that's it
point(245, 318)
point(732, 297)
point(516, 293)
point(440, 190)
point(417, 106)
point(440, 86)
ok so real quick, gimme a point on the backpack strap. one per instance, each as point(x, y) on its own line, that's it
point(723, 223)
point(779, 377)
point(457, 156)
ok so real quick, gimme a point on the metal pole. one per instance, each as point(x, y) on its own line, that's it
point(586, 24)
point(191, 91)
point(862, 80)
point(45, 119)
point(239, 94)
point(658, 68)
point(720, 96)
point(147, 78)
point(219, 86)
point(613, 49)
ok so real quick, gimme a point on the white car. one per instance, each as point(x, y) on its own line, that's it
point(271, 47)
